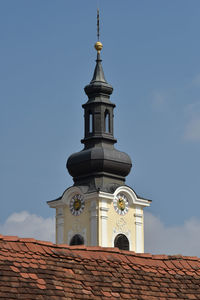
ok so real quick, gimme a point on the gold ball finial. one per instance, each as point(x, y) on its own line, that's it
point(98, 46)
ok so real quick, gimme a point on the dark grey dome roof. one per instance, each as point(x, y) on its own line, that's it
point(98, 160)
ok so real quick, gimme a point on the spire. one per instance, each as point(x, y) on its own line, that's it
point(98, 71)
point(98, 84)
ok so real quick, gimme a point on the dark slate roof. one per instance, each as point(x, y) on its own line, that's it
point(31, 269)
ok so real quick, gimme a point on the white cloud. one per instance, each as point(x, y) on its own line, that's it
point(24, 224)
point(163, 239)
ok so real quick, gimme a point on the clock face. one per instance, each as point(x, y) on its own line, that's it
point(77, 205)
point(120, 204)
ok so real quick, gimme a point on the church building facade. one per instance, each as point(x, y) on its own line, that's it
point(99, 209)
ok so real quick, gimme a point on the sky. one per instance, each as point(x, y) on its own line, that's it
point(151, 57)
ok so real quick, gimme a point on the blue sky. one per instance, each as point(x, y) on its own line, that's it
point(151, 58)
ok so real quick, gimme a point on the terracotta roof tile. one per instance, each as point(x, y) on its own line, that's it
point(31, 269)
point(10, 238)
point(33, 276)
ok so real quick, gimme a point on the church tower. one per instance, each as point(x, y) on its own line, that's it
point(99, 209)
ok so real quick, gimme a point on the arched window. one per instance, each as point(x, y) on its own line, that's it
point(121, 242)
point(90, 122)
point(107, 121)
point(77, 240)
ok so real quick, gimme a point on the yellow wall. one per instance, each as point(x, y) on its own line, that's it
point(77, 224)
point(121, 224)
point(107, 218)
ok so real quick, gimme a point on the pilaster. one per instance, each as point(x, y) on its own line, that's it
point(93, 222)
point(103, 215)
point(139, 231)
point(59, 225)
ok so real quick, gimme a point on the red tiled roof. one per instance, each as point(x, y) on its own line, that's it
point(31, 269)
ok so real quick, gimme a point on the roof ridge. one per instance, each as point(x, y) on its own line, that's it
point(164, 257)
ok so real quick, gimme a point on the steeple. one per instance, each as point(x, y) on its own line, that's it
point(99, 166)
point(99, 209)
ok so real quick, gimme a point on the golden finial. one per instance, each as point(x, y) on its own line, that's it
point(98, 46)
